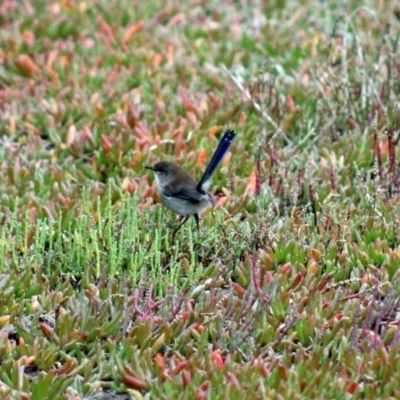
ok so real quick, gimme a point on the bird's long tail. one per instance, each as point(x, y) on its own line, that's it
point(216, 159)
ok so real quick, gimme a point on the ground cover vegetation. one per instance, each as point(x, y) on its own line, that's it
point(291, 287)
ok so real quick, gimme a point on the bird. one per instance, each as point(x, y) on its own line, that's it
point(179, 192)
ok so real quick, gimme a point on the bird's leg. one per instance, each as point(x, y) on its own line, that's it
point(196, 217)
point(171, 224)
point(177, 229)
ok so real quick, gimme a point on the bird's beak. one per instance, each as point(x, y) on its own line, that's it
point(149, 167)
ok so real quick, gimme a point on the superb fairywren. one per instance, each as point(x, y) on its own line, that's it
point(179, 192)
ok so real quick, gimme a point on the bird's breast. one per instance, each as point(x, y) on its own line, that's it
point(185, 207)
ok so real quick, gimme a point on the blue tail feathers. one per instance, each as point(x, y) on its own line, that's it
point(219, 154)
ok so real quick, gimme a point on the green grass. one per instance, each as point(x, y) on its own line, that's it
point(289, 289)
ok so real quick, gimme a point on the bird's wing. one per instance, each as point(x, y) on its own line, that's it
point(189, 194)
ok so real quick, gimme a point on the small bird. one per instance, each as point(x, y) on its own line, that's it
point(179, 192)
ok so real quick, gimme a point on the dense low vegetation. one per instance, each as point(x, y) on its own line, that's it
point(291, 287)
